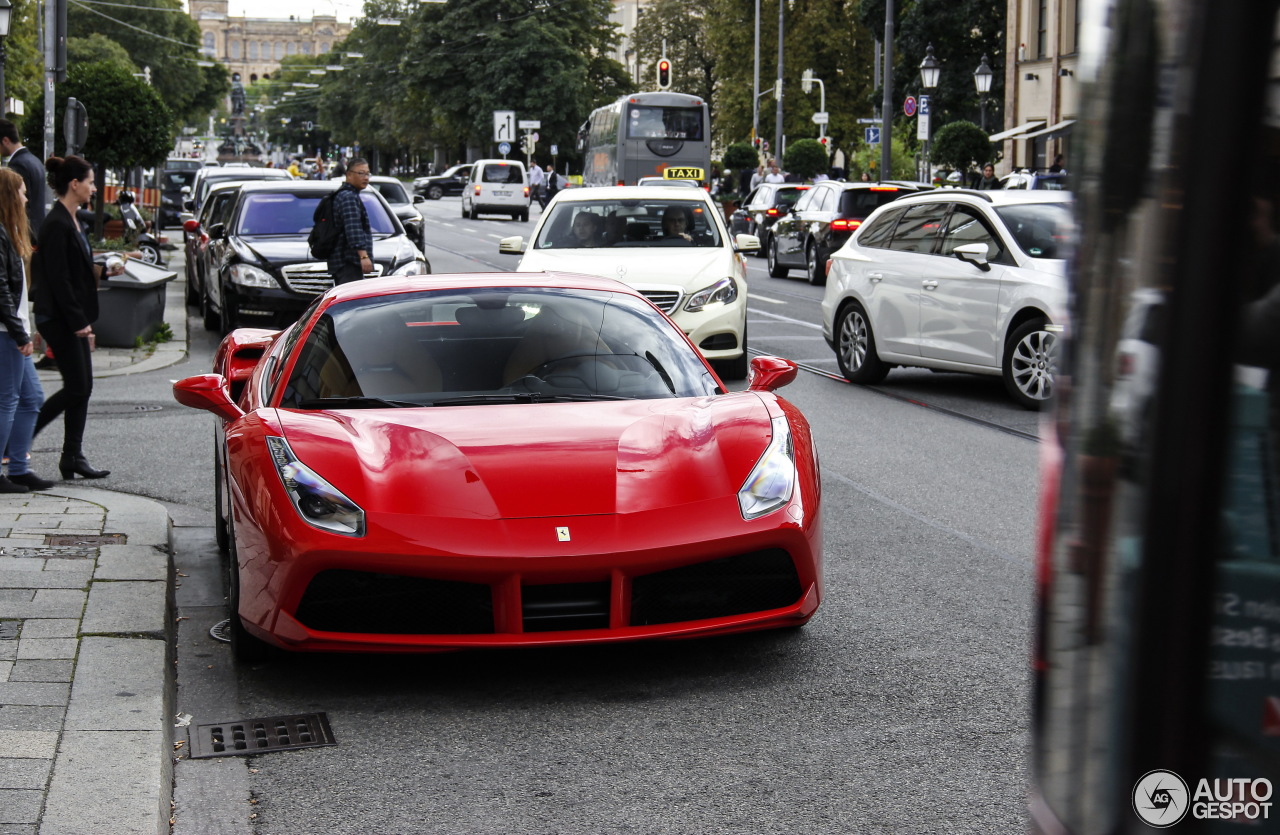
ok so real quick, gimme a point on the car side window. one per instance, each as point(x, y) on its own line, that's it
point(918, 228)
point(967, 226)
point(753, 198)
point(878, 233)
point(807, 201)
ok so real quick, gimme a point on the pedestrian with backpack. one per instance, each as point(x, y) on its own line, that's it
point(351, 257)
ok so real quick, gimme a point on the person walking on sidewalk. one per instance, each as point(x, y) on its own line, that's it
point(65, 289)
point(20, 392)
point(352, 258)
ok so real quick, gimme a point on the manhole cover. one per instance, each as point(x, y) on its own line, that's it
point(86, 539)
point(125, 409)
point(8, 630)
point(221, 631)
point(261, 736)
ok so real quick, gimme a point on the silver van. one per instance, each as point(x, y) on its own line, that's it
point(497, 186)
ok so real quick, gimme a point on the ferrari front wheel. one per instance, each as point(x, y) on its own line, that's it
point(245, 648)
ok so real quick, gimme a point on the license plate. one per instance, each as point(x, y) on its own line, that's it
point(502, 194)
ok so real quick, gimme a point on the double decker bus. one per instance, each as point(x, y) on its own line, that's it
point(646, 135)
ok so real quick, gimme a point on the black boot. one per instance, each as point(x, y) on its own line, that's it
point(7, 486)
point(31, 481)
point(71, 465)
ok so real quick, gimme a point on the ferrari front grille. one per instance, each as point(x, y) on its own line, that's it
point(737, 585)
point(565, 606)
point(339, 600)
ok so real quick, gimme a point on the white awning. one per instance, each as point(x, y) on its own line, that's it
point(1012, 132)
point(1061, 127)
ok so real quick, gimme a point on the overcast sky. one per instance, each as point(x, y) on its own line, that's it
point(344, 9)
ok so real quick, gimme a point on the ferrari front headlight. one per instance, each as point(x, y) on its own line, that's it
point(724, 291)
point(318, 502)
point(773, 479)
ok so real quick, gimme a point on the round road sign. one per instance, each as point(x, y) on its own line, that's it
point(909, 106)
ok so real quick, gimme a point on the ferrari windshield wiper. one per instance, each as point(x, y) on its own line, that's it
point(355, 403)
point(523, 397)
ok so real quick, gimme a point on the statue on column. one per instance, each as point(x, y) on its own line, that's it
point(237, 95)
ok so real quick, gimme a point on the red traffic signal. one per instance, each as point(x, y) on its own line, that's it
point(664, 74)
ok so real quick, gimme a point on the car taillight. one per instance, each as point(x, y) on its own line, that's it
point(477, 191)
point(772, 212)
point(526, 191)
point(622, 182)
point(844, 225)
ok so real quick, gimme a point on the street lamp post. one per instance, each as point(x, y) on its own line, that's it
point(930, 69)
point(982, 77)
point(6, 15)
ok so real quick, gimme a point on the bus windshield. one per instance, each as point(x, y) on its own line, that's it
point(650, 122)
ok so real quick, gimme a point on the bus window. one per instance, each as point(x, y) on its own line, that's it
point(645, 122)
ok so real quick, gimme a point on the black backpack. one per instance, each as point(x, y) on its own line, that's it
point(325, 230)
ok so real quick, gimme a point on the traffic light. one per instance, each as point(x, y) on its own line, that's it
point(664, 74)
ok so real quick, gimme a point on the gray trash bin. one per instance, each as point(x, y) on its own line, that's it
point(131, 306)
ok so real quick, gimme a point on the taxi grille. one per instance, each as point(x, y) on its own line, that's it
point(737, 585)
point(665, 300)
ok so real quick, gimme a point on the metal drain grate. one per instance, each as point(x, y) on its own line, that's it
point(261, 736)
point(8, 630)
point(221, 631)
point(86, 539)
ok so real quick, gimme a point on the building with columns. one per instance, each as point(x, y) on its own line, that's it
point(1041, 94)
point(255, 46)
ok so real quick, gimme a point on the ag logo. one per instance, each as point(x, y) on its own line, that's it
point(1161, 799)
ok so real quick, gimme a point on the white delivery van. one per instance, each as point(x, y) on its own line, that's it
point(497, 186)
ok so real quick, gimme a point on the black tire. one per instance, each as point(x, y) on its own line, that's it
point(246, 648)
point(465, 213)
point(524, 216)
point(220, 533)
point(435, 193)
point(764, 244)
point(190, 296)
point(776, 270)
point(230, 316)
point(211, 320)
point(1030, 364)
point(150, 254)
point(815, 265)
point(736, 368)
point(856, 347)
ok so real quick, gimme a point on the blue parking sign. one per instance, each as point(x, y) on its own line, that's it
point(871, 136)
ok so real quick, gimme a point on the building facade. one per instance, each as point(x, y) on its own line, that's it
point(1042, 97)
point(253, 46)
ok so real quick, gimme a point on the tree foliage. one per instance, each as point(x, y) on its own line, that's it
point(129, 125)
point(682, 25)
point(22, 55)
point(740, 155)
point(961, 146)
point(805, 158)
point(160, 35)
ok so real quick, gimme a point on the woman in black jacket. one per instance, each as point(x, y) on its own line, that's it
point(20, 392)
point(65, 290)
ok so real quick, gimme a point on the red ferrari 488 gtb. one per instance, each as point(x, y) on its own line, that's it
point(461, 461)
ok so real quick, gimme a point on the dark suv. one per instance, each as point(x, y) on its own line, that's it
point(258, 268)
point(765, 205)
point(822, 220)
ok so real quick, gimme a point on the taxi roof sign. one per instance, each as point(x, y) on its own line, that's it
point(683, 174)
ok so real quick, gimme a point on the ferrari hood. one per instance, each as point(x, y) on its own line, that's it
point(690, 267)
point(535, 460)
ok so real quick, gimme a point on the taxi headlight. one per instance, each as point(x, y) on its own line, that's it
point(317, 501)
point(247, 275)
point(414, 267)
point(724, 291)
point(773, 479)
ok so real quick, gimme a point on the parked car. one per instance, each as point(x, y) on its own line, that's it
point(393, 191)
point(175, 185)
point(497, 186)
point(447, 184)
point(823, 219)
point(955, 280)
point(699, 279)
point(1036, 180)
point(765, 205)
point(215, 211)
point(258, 265)
point(514, 461)
point(206, 177)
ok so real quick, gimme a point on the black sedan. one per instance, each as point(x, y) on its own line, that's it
point(765, 205)
point(258, 268)
point(450, 183)
point(822, 220)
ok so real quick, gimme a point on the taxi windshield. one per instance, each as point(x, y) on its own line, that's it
point(649, 222)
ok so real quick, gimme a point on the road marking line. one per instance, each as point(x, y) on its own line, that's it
point(765, 299)
point(800, 322)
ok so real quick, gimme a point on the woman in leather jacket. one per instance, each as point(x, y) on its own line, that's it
point(20, 392)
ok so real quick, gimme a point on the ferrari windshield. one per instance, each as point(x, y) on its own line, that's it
point(489, 346)
point(648, 222)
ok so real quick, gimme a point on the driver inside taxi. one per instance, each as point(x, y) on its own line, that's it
point(675, 224)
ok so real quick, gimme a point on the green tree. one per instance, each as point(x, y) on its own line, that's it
point(128, 123)
point(806, 157)
point(158, 34)
point(867, 157)
point(98, 48)
point(682, 25)
point(740, 155)
point(961, 146)
point(22, 56)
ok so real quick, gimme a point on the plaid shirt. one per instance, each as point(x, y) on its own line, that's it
point(353, 222)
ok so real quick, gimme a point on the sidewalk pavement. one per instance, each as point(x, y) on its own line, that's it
point(86, 658)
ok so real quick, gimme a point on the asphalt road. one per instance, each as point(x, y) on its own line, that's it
point(901, 707)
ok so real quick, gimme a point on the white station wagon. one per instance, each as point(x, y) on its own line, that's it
point(671, 244)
